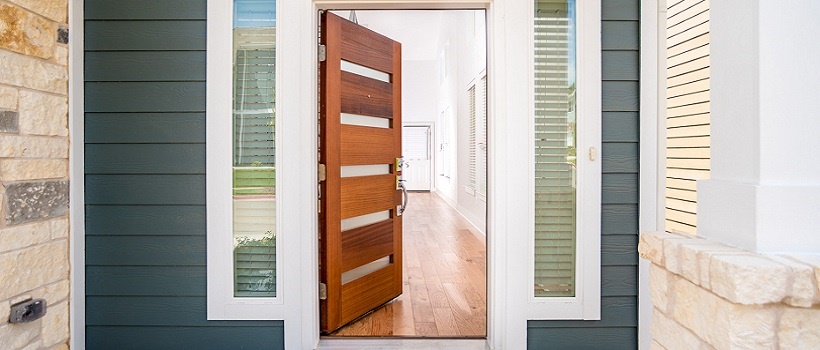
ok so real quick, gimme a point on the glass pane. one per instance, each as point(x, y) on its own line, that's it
point(555, 200)
point(254, 160)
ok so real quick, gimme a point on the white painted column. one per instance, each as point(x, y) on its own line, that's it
point(764, 191)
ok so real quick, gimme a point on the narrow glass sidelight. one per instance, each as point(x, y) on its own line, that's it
point(254, 161)
point(555, 148)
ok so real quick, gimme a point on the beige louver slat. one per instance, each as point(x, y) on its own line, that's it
point(688, 119)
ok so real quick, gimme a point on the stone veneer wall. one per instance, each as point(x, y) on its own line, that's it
point(706, 295)
point(34, 258)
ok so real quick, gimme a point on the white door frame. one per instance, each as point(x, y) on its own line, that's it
point(501, 333)
point(431, 149)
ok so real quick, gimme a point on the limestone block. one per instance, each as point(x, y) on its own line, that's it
point(20, 298)
point(814, 262)
point(33, 73)
point(692, 255)
point(63, 346)
point(55, 292)
point(33, 169)
point(803, 292)
point(43, 114)
point(672, 335)
point(5, 312)
point(32, 201)
point(33, 346)
point(24, 32)
point(9, 121)
point(33, 146)
point(59, 228)
point(749, 279)
point(55, 324)
point(651, 246)
point(659, 280)
point(656, 346)
point(16, 336)
point(28, 269)
point(719, 322)
point(799, 328)
point(672, 253)
point(61, 55)
point(21, 236)
point(8, 98)
point(56, 10)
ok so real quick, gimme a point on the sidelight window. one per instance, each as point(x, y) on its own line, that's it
point(566, 131)
point(241, 153)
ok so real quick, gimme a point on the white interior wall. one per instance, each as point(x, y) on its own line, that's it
point(419, 91)
point(467, 31)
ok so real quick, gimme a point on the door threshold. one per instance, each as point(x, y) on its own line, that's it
point(398, 344)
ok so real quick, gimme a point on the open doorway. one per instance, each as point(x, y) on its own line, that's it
point(443, 92)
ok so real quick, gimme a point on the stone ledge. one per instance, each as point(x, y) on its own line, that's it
point(735, 274)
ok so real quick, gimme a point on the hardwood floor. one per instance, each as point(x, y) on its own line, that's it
point(444, 278)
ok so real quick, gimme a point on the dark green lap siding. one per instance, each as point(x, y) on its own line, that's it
point(145, 219)
point(618, 327)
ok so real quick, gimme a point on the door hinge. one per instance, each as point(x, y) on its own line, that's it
point(322, 291)
point(322, 53)
point(322, 172)
point(592, 153)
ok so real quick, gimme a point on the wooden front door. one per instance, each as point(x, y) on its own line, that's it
point(360, 144)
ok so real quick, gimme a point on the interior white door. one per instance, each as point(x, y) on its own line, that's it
point(418, 173)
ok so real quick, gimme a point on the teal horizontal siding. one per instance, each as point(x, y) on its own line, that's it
point(120, 280)
point(144, 36)
point(151, 96)
point(143, 311)
point(145, 66)
point(619, 249)
point(582, 338)
point(141, 220)
point(145, 251)
point(145, 9)
point(618, 158)
point(145, 159)
point(123, 128)
point(615, 312)
point(234, 337)
point(619, 188)
point(620, 127)
point(145, 214)
point(145, 189)
point(620, 89)
point(619, 219)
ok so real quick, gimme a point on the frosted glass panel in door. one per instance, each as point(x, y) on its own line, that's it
point(416, 148)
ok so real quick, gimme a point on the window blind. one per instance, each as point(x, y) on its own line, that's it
point(481, 141)
point(254, 106)
point(555, 187)
point(254, 175)
point(471, 143)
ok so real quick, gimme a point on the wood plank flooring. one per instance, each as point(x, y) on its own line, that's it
point(444, 278)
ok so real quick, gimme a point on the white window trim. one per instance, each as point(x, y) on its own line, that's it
point(76, 164)
point(586, 304)
point(222, 305)
point(652, 146)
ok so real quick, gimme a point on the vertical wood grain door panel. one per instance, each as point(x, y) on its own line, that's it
point(359, 253)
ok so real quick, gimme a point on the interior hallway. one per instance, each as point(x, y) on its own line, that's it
point(444, 278)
